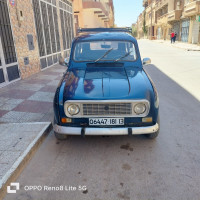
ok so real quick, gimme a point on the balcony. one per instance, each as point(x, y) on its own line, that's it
point(145, 3)
point(100, 16)
point(191, 9)
point(160, 3)
point(98, 7)
point(174, 15)
point(162, 20)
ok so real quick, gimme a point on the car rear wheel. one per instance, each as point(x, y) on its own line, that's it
point(154, 135)
point(60, 136)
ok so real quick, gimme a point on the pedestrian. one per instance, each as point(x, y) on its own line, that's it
point(175, 37)
point(172, 36)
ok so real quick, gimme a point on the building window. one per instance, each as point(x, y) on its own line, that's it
point(8, 60)
point(46, 21)
point(6, 34)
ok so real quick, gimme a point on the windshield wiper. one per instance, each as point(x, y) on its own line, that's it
point(107, 52)
point(124, 56)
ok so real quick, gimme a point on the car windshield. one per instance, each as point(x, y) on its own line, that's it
point(95, 51)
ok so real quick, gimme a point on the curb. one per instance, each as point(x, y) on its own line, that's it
point(18, 166)
point(193, 49)
point(186, 49)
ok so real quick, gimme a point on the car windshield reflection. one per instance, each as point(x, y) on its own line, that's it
point(95, 51)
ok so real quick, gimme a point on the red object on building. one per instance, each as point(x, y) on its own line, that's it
point(12, 2)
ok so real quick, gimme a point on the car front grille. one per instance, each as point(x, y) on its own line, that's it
point(107, 109)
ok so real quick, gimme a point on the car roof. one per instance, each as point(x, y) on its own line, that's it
point(105, 36)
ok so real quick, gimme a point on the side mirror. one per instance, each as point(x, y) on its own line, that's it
point(146, 61)
point(66, 61)
point(63, 62)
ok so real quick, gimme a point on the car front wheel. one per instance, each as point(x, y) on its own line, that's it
point(154, 135)
point(60, 136)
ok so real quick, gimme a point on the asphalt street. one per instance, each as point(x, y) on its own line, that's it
point(124, 167)
point(180, 65)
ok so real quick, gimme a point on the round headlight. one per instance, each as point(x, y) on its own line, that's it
point(73, 109)
point(140, 108)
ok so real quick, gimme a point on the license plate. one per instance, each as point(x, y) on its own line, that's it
point(106, 121)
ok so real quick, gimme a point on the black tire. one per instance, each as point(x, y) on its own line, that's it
point(60, 136)
point(154, 135)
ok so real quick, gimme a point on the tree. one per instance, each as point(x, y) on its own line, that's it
point(144, 28)
point(134, 30)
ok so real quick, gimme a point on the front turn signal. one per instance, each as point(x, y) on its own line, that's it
point(66, 120)
point(147, 119)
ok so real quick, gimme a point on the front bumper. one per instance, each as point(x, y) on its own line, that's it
point(105, 131)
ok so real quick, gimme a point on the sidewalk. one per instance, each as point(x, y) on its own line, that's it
point(17, 145)
point(30, 100)
point(181, 45)
point(26, 113)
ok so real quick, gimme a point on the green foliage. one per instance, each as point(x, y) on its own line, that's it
point(144, 28)
point(134, 31)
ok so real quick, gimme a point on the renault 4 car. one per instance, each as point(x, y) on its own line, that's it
point(105, 90)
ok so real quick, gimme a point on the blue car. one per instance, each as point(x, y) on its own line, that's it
point(105, 90)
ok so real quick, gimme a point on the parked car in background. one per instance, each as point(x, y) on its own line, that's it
point(105, 90)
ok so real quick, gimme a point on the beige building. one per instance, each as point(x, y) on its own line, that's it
point(140, 33)
point(190, 22)
point(164, 16)
point(93, 13)
point(34, 34)
point(162, 28)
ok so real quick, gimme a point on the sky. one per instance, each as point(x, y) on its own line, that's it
point(127, 11)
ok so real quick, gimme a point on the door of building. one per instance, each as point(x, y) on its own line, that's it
point(159, 33)
point(185, 30)
point(9, 71)
point(195, 32)
point(176, 29)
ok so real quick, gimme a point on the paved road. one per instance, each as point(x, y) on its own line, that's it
point(129, 168)
point(180, 65)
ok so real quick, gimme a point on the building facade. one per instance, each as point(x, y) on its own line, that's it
point(190, 22)
point(140, 32)
point(34, 34)
point(93, 13)
point(164, 16)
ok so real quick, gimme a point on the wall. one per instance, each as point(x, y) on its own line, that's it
point(91, 20)
point(20, 31)
point(87, 11)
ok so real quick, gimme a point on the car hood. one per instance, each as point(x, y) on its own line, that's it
point(106, 83)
